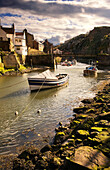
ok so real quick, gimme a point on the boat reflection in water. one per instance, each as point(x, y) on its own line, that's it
point(47, 80)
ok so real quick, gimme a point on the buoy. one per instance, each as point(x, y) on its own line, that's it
point(16, 113)
point(39, 111)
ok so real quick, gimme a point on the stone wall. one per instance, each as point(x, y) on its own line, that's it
point(40, 60)
point(10, 62)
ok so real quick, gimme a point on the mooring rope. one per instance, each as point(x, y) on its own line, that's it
point(24, 108)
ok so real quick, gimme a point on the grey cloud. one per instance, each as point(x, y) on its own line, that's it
point(49, 9)
point(55, 40)
point(53, 9)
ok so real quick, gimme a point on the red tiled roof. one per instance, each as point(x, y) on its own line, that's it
point(19, 33)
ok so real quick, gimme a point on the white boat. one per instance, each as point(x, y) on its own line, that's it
point(47, 80)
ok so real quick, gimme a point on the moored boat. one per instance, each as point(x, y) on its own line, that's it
point(47, 80)
point(69, 63)
point(90, 71)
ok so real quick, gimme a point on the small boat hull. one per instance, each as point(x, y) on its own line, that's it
point(36, 84)
point(90, 73)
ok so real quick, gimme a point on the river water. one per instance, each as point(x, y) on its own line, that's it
point(56, 105)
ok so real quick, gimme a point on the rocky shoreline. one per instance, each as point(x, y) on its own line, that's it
point(84, 143)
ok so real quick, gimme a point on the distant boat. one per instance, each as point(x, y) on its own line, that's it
point(47, 80)
point(90, 71)
point(69, 63)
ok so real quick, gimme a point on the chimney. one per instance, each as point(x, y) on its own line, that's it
point(0, 23)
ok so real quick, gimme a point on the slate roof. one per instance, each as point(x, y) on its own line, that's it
point(3, 34)
point(8, 30)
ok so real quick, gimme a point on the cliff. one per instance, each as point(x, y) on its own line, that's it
point(95, 42)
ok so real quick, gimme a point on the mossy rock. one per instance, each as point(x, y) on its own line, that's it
point(74, 123)
point(98, 129)
point(73, 136)
point(22, 164)
point(78, 141)
point(29, 153)
point(98, 105)
point(103, 136)
point(93, 134)
point(82, 116)
point(87, 124)
point(93, 141)
point(104, 116)
point(60, 134)
point(80, 109)
point(91, 111)
point(103, 123)
point(100, 100)
point(71, 141)
point(82, 134)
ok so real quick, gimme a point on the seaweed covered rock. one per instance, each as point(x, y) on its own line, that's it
point(82, 134)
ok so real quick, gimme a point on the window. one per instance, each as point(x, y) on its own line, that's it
point(18, 48)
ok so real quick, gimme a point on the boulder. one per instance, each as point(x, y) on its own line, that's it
point(82, 134)
point(90, 158)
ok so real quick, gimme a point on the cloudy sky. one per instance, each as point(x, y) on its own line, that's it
point(55, 20)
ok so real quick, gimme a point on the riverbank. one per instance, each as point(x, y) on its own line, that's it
point(84, 143)
point(12, 72)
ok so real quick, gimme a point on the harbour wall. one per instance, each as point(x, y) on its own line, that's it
point(40, 60)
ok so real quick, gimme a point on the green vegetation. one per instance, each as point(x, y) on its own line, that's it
point(92, 43)
point(22, 68)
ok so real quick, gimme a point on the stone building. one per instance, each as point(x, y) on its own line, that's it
point(4, 41)
point(48, 47)
point(29, 39)
point(38, 45)
point(10, 33)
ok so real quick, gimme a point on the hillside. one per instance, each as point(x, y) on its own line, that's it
point(95, 42)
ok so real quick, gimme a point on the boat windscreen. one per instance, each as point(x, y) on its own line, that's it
point(46, 74)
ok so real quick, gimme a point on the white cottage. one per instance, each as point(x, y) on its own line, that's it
point(20, 44)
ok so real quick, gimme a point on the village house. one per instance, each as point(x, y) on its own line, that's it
point(38, 45)
point(29, 39)
point(10, 33)
point(4, 41)
point(20, 44)
point(7, 36)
